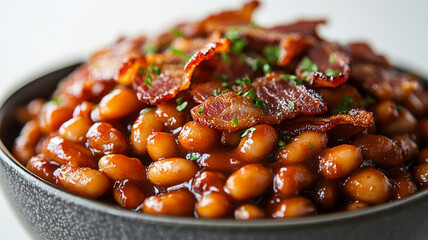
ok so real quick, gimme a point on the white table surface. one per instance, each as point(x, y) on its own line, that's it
point(38, 36)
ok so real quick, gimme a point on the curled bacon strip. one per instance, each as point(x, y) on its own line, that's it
point(202, 91)
point(355, 117)
point(291, 45)
point(363, 53)
point(283, 101)
point(302, 26)
point(326, 56)
point(106, 64)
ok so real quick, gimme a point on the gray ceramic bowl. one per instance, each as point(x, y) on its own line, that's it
point(52, 213)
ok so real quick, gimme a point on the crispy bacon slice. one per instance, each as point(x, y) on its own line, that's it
point(202, 91)
point(328, 57)
point(173, 77)
point(283, 101)
point(355, 117)
point(384, 83)
point(291, 45)
point(362, 53)
point(106, 64)
point(302, 26)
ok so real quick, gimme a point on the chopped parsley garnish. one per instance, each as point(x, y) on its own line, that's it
point(267, 68)
point(146, 110)
point(272, 53)
point(201, 110)
point(148, 80)
point(55, 101)
point(234, 121)
point(368, 100)
point(291, 105)
point(221, 77)
point(281, 144)
point(343, 107)
point(331, 73)
point(310, 146)
point(292, 79)
point(149, 48)
point(259, 103)
point(245, 133)
point(260, 64)
point(216, 92)
point(177, 52)
point(225, 58)
point(154, 69)
point(241, 81)
point(331, 60)
point(238, 44)
point(179, 100)
point(252, 95)
point(181, 106)
point(224, 84)
point(308, 66)
point(193, 156)
point(177, 32)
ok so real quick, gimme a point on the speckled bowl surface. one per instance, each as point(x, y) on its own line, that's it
point(52, 213)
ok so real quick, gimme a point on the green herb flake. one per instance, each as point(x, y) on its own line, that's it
point(272, 53)
point(281, 144)
point(259, 103)
point(331, 60)
point(225, 58)
point(331, 73)
point(234, 121)
point(221, 77)
point(291, 105)
point(250, 93)
point(55, 101)
point(154, 69)
point(177, 32)
point(193, 156)
point(146, 110)
point(148, 80)
point(238, 44)
point(224, 84)
point(141, 70)
point(149, 48)
point(267, 68)
point(201, 110)
point(182, 106)
point(241, 81)
point(368, 100)
point(310, 146)
point(308, 66)
point(176, 51)
point(216, 92)
point(179, 100)
point(343, 107)
point(245, 133)
point(292, 79)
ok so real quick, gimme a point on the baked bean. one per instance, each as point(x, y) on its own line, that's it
point(64, 152)
point(423, 156)
point(118, 104)
point(334, 96)
point(409, 148)
point(403, 185)
point(356, 206)
point(197, 137)
point(31, 111)
point(422, 132)
point(42, 167)
point(52, 116)
point(420, 174)
point(103, 138)
point(293, 207)
point(208, 181)
point(162, 145)
point(405, 123)
point(83, 181)
point(257, 144)
point(415, 104)
point(231, 139)
point(249, 181)
point(248, 212)
point(290, 180)
point(171, 171)
point(369, 185)
point(213, 205)
point(84, 110)
point(119, 167)
point(145, 124)
point(383, 151)
point(326, 194)
point(25, 143)
point(177, 203)
point(304, 146)
point(339, 161)
point(385, 112)
point(75, 129)
point(128, 194)
point(172, 118)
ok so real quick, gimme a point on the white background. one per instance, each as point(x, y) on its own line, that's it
point(39, 36)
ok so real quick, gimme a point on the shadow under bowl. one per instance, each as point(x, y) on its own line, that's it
point(49, 212)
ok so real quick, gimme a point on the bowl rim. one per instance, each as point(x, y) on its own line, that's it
point(9, 159)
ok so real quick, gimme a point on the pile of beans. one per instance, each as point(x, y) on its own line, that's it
point(158, 161)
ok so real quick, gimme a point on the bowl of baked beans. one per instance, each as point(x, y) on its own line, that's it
point(221, 129)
